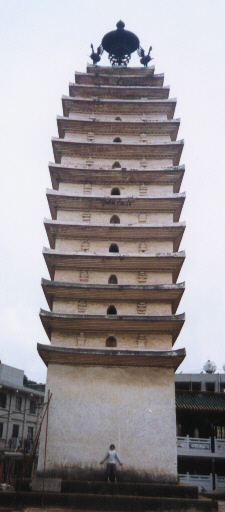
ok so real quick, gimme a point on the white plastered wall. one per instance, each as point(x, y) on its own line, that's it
point(71, 307)
point(126, 341)
point(102, 277)
point(126, 219)
point(152, 163)
point(125, 247)
point(126, 190)
point(132, 407)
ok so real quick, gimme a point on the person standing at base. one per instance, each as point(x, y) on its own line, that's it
point(112, 456)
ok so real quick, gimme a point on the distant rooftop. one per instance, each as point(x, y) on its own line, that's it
point(200, 401)
point(11, 377)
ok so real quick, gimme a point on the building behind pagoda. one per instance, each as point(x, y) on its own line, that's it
point(114, 262)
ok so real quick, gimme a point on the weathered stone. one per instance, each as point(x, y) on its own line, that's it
point(46, 484)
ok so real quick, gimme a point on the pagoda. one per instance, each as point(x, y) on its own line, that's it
point(113, 261)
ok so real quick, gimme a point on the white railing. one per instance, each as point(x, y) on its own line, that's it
point(203, 482)
point(193, 443)
point(220, 446)
point(220, 481)
point(190, 444)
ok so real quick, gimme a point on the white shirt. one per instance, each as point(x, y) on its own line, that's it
point(112, 455)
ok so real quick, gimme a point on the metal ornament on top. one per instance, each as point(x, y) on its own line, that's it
point(119, 44)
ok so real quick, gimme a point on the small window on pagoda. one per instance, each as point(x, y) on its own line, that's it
point(117, 139)
point(115, 191)
point(111, 310)
point(118, 118)
point(115, 219)
point(113, 279)
point(116, 165)
point(111, 342)
point(114, 248)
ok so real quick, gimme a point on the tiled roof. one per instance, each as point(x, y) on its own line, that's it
point(23, 389)
point(200, 401)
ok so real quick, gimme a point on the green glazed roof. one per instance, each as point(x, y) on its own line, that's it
point(200, 401)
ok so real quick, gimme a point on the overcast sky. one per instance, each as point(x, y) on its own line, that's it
point(42, 43)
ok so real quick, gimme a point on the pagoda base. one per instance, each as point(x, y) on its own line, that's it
point(54, 477)
point(94, 406)
point(79, 495)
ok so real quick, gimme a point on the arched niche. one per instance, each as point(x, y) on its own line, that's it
point(111, 342)
point(115, 219)
point(111, 310)
point(116, 165)
point(115, 191)
point(113, 248)
point(112, 279)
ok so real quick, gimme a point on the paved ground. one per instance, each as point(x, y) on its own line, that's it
point(221, 508)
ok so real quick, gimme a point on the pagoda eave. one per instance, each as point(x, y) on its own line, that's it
point(119, 107)
point(138, 151)
point(126, 92)
point(170, 293)
point(69, 174)
point(169, 203)
point(160, 262)
point(120, 70)
point(168, 127)
point(116, 232)
point(141, 80)
point(171, 324)
point(111, 357)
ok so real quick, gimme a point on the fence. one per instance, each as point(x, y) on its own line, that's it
point(203, 482)
point(188, 444)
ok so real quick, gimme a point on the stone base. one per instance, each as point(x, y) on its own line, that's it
point(50, 484)
point(100, 475)
point(92, 407)
point(103, 496)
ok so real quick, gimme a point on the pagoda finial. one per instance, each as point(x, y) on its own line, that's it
point(119, 44)
point(145, 59)
point(120, 24)
point(95, 56)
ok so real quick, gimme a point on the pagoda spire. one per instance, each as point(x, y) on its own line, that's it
point(120, 44)
point(114, 258)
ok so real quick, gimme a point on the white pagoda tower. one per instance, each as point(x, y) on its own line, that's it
point(114, 261)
